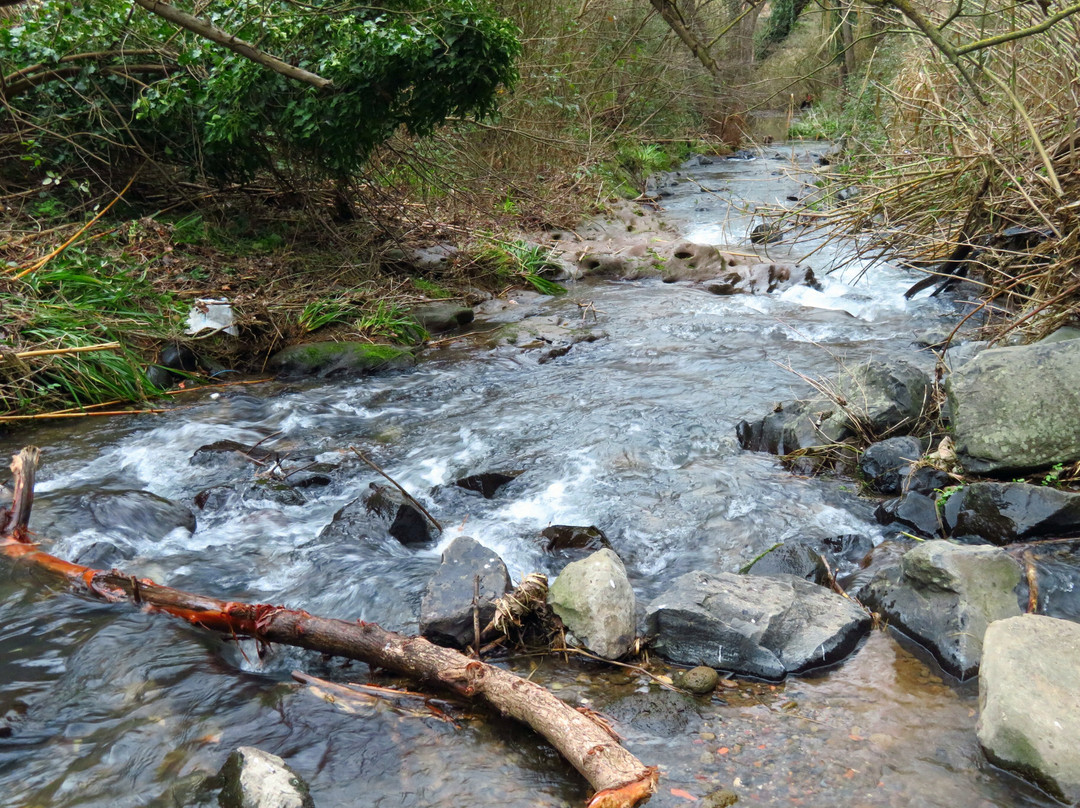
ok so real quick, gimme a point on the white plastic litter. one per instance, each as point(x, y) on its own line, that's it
point(214, 314)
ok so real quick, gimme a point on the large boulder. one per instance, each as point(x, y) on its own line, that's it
point(754, 625)
point(870, 398)
point(252, 778)
point(1017, 409)
point(339, 359)
point(1029, 701)
point(1002, 513)
point(446, 611)
point(595, 601)
point(944, 596)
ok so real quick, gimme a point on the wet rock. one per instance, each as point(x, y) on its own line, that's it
point(843, 551)
point(438, 317)
point(253, 778)
point(561, 538)
point(103, 555)
point(549, 337)
point(1029, 698)
point(217, 498)
point(885, 464)
point(1017, 409)
point(446, 611)
point(724, 798)
point(791, 558)
point(700, 680)
point(487, 483)
point(139, 514)
point(324, 359)
point(695, 160)
point(876, 397)
point(944, 596)
point(926, 480)
point(1057, 576)
point(596, 603)
point(1002, 513)
point(766, 233)
point(883, 556)
point(764, 278)
point(694, 262)
point(916, 512)
point(754, 625)
point(603, 265)
point(408, 524)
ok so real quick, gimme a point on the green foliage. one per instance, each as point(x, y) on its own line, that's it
point(781, 21)
point(431, 289)
point(193, 103)
point(81, 300)
point(389, 321)
point(1053, 477)
point(523, 261)
point(323, 312)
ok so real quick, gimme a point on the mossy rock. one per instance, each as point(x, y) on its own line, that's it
point(324, 359)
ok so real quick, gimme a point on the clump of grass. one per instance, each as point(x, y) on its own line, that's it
point(385, 320)
point(522, 261)
point(79, 301)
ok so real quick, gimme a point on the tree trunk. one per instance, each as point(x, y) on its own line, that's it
point(619, 778)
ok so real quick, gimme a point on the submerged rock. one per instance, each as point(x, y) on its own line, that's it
point(380, 513)
point(596, 603)
point(252, 778)
point(325, 359)
point(139, 514)
point(700, 680)
point(754, 625)
point(1017, 409)
point(1029, 700)
point(446, 611)
point(944, 596)
point(1002, 513)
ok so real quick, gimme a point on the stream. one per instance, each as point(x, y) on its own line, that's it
point(635, 433)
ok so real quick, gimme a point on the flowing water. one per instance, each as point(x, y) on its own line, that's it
point(106, 706)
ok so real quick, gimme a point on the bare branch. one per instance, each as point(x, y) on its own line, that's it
point(1045, 25)
point(248, 51)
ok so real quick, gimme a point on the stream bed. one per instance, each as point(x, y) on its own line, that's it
point(634, 433)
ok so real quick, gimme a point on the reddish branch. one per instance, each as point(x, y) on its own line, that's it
point(619, 778)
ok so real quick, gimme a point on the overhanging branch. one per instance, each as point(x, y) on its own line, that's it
point(225, 39)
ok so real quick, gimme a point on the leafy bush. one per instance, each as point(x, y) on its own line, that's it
point(91, 81)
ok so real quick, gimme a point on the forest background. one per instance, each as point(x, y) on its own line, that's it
point(147, 160)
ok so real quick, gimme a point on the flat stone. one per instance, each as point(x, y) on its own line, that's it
point(1029, 701)
point(754, 625)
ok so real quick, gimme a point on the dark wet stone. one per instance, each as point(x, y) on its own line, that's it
point(791, 558)
point(927, 480)
point(446, 611)
point(1002, 513)
point(407, 523)
point(885, 464)
point(216, 498)
point(316, 475)
point(885, 555)
point(561, 538)
point(487, 483)
point(916, 512)
point(765, 626)
point(139, 514)
point(325, 359)
point(843, 550)
point(1057, 576)
point(699, 681)
point(178, 357)
point(944, 596)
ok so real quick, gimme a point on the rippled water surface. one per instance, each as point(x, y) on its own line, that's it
point(105, 706)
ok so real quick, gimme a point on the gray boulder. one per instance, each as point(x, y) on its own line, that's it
point(914, 511)
point(1029, 701)
point(339, 359)
point(944, 596)
point(796, 558)
point(595, 601)
point(873, 397)
point(754, 625)
point(252, 778)
point(446, 611)
point(1017, 409)
point(885, 465)
point(1002, 513)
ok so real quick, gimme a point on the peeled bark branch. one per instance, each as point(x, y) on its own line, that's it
point(245, 49)
point(619, 778)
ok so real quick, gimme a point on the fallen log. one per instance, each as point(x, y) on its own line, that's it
point(619, 779)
